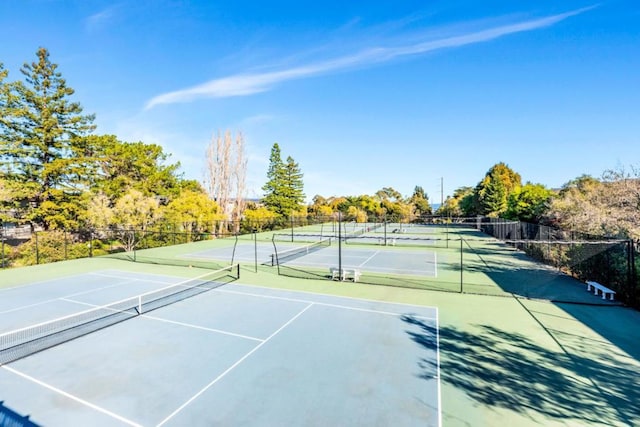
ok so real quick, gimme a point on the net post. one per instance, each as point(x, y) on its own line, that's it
point(274, 255)
point(235, 245)
point(139, 304)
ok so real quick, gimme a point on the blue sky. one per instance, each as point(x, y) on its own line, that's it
point(363, 95)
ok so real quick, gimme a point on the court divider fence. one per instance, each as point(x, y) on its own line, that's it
point(489, 257)
point(29, 245)
point(461, 244)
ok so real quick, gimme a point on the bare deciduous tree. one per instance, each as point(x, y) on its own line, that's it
point(226, 174)
point(239, 176)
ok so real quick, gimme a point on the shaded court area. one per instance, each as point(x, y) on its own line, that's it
point(234, 355)
point(529, 363)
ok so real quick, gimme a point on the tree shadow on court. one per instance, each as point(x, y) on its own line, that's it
point(533, 282)
point(10, 418)
point(530, 280)
point(500, 369)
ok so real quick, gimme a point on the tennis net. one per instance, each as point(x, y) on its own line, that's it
point(23, 342)
point(293, 253)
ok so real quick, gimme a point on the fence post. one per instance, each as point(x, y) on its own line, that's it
point(340, 244)
point(35, 234)
point(446, 233)
point(90, 243)
point(255, 249)
point(461, 264)
point(384, 221)
point(631, 269)
point(291, 216)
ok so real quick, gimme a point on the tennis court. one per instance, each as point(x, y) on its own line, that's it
point(519, 344)
point(378, 260)
point(242, 252)
point(232, 355)
point(382, 260)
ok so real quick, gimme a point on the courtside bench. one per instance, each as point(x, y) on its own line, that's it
point(345, 274)
point(598, 287)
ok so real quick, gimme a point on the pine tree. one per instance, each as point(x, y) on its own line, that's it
point(275, 177)
point(45, 157)
point(294, 186)
point(284, 188)
point(5, 195)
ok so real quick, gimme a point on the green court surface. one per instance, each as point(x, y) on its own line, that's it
point(505, 356)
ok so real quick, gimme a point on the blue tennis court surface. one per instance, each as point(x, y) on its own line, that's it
point(379, 260)
point(235, 355)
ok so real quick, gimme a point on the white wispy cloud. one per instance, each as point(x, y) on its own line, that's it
point(256, 120)
point(252, 83)
point(102, 19)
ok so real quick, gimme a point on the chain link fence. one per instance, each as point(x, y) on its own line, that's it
point(26, 245)
point(584, 256)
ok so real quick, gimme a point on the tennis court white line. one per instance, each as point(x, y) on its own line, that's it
point(112, 276)
point(334, 255)
point(424, 273)
point(72, 397)
point(232, 367)
point(60, 298)
point(204, 328)
point(41, 282)
point(244, 285)
point(367, 310)
point(73, 301)
point(67, 278)
point(370, 269)
point(346, 307)
point(438, 366)
point(369, 259)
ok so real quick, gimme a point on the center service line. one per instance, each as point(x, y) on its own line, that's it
point(232, 367)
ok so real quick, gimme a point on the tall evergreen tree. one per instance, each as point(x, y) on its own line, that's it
point(5, 195)
point(284, 188)
point(4, 103)
point(275, 177)
point(45, 157)
point(294, 186)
